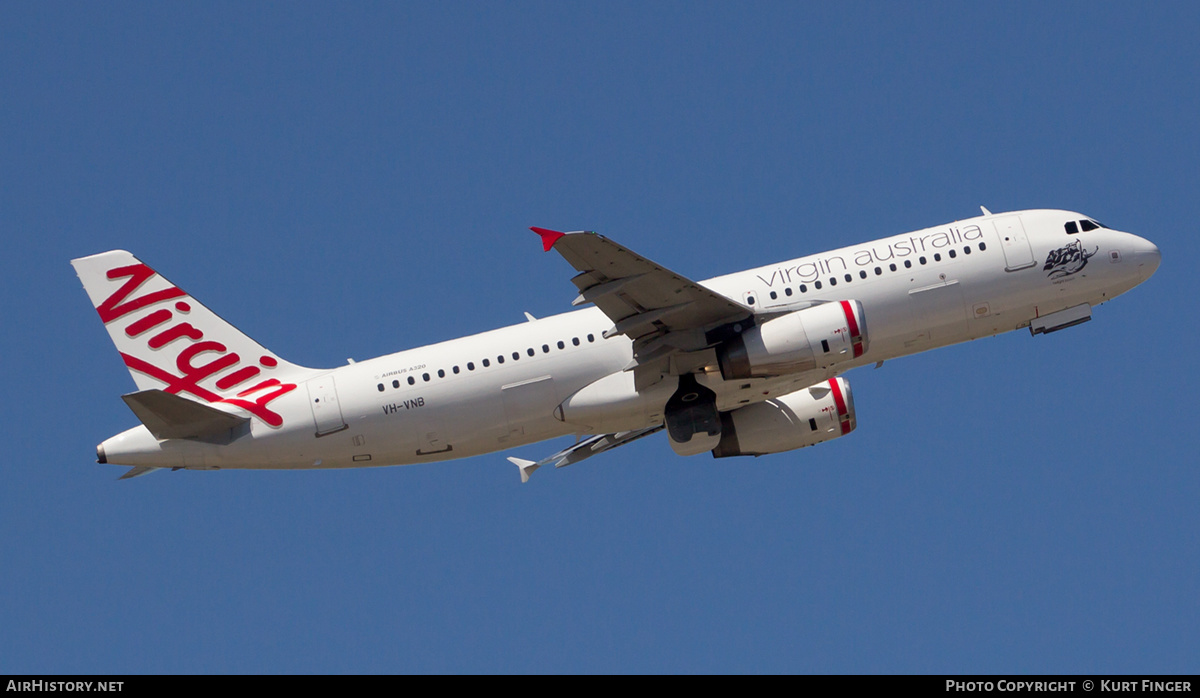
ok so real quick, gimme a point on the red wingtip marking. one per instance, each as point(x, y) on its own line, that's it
point(549, 237)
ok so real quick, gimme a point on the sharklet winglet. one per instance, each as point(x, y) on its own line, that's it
point(549, 237)
point(526, 467)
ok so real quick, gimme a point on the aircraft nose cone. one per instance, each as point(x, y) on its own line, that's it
point(1148, 257)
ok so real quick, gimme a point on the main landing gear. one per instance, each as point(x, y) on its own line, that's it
point(692, 419)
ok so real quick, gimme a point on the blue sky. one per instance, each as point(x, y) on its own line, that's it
point(348, 181)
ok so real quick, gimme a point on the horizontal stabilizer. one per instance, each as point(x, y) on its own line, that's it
point(137, 472)
point(169, 416)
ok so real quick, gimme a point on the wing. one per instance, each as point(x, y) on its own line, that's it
point(585, 448)
point(667, 315)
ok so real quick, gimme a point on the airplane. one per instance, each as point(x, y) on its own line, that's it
point(746, 364)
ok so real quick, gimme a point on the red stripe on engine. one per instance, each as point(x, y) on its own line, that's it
point(855, 337)
point(840, 401)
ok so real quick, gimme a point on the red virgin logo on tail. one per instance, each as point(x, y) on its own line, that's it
point(150, 326)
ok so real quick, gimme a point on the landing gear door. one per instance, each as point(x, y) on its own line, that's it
point(327, 411)
point(1015, 243)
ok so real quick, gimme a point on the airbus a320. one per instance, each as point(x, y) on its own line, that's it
point(746, 364)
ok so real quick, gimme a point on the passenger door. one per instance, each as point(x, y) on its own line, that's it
point(1017, 252)
point(326, 411)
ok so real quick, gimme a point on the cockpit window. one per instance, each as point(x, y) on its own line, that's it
point(1084, 225)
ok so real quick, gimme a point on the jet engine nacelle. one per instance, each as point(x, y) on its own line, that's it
point(806, 417)
point(821, 336)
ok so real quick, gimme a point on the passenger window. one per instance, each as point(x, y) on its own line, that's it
point(455, 370)
point(803, 288)
point(922, 260)
point(953, 254)
point(516, 355)
point(774, 295)
point(937, 257)
point(787, 291)
point(749, 300)
point(395, 384)
point(591, 338)
point(412, 381)
point(470, 365)
point(982, 246)
point(878, 271)
point(381, 387)
point(908, 264)
point(425, 377)
point(967, 249)
point(575, 341)
point(561, 345)
point(892, 267)
point(545, 348)
point(862, 274)
point(486, 363)
point(833, 281)
point(1086, 225)
point(530, 351)
point(1072, 227)
point(500, 359)
point(441, 373)
point(849, 278)
point(817, 285)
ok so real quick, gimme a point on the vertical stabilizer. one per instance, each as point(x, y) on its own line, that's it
point(171, 342)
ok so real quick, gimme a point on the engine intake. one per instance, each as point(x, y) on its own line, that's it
point(818, 337)
point(804, 418)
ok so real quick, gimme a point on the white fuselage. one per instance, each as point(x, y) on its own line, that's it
point(499, 389)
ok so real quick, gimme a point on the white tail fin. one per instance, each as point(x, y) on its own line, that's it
point(171, 342)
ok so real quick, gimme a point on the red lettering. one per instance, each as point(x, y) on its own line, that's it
point(171, 334)
point(174, 384)
point(258, 408)
point(239, 376)
point(116, 306)
point(149, 322)
point(122, 303)
point(190, 384)
point(198, 373)
point(261, 386)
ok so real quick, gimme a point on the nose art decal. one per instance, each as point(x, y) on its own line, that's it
point(1068, 260)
